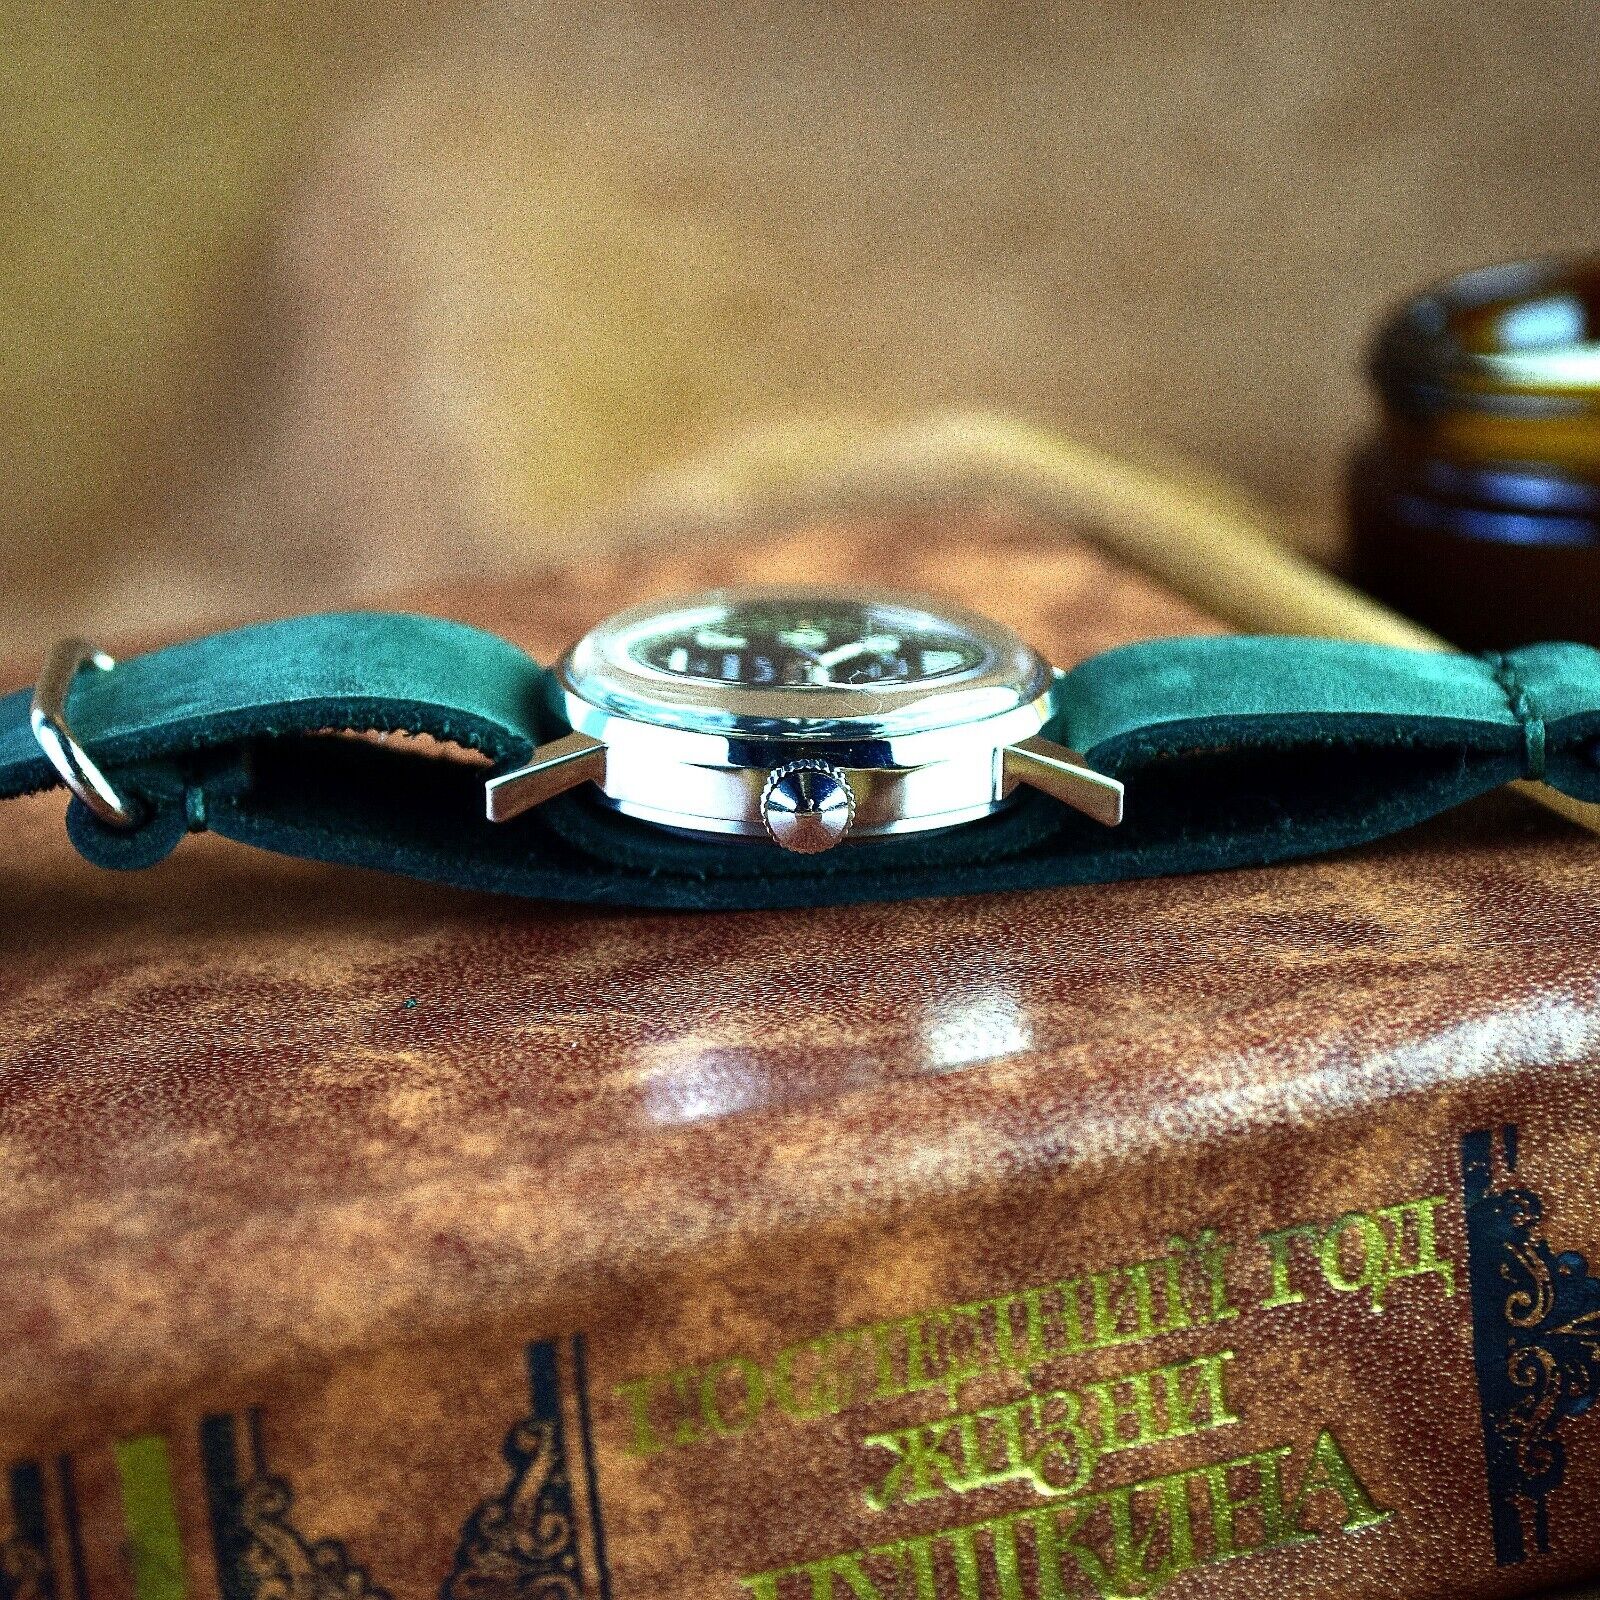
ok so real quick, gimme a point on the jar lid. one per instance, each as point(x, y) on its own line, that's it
point(1519, 340)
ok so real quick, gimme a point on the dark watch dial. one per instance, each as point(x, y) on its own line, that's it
point(807, 643)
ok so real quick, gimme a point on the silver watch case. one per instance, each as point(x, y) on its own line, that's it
point(802, 765)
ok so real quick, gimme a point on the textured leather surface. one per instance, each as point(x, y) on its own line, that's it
point(334, 1145)
point(1236, 751)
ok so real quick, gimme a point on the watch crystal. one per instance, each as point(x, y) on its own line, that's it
point(830, 643)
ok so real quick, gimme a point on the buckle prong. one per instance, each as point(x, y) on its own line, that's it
point(48, 719)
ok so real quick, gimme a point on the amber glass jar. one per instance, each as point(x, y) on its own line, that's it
point(1476, 509)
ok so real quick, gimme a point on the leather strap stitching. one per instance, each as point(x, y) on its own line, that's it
point(1526, 710)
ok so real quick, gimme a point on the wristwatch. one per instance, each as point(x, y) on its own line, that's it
point(750, 748)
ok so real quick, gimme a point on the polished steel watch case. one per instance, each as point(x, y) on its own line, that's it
point(806, 765)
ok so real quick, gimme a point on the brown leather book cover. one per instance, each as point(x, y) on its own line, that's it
point(1220, 1236)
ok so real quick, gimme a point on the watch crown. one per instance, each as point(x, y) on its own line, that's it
point(807, 806)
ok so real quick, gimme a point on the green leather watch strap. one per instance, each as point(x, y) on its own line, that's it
point(182, 729)
point(1236, 751)
point(359, 670)
point(1260, 749)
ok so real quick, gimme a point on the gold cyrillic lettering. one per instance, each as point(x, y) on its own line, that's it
point(1423, 1214)
point(644, 1440)
point(1330, 1472)
point(1120, 1400)
point(752, 1399)
point(1211, 1251)
point(1185, 1384)
point(1277, 1243)
point(1264, 1497)
point(1066, 1456)
point(829, 1384)
point(922, 1469)
point(1331, 1255)
point(1128, 1540)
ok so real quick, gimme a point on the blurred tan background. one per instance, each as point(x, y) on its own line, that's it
point(303, 301)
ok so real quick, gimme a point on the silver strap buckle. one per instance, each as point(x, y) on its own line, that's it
point(48, 719)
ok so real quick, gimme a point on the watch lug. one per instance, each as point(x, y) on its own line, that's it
point(1065, 775)
point(552, 769)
